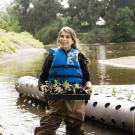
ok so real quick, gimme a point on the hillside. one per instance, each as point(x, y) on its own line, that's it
point(11, 41)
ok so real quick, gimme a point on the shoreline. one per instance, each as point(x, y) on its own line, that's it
point(109, 43)
point(123, 62)
point(19, 54)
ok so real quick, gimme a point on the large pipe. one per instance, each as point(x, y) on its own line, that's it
point(111, 110)
point(108, 109)
point(28, 86)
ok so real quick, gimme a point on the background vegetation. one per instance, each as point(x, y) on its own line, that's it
point(44, 18)
point(10, 41)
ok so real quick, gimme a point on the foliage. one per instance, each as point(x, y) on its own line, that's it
point(66, 85)
point(97, 34)
point(9, 22)
point(64, 88)
point(109, 8)
point(114, 91)
point(28, 39)
point(49, 33)
point(10, 41)
point(5, 44)
point(123, 25)
point(20, 8)
point(34, 18)
point(81, 15)
point(130, 94)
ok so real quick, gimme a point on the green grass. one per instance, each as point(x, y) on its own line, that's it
point(11, 41)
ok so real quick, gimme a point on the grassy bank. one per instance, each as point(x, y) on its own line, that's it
point(11, 41)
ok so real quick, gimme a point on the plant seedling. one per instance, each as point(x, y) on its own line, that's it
point(88, 90)
point(114, 91)
point(45, 88)
point(55, 86)
point(78, 89)
point(68, 87)
point(130, 93)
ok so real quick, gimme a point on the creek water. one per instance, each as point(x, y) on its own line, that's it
point(20, 116)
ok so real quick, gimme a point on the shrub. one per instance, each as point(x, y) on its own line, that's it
point(97, 34)
point(123, 26)
point(48, 34)
point(9, 22)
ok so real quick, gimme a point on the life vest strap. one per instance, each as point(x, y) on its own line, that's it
point(65, 76)
point(65, 66)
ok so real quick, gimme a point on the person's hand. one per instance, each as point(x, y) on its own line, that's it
point(42, 88)
point(88, 84)
point(88, 87)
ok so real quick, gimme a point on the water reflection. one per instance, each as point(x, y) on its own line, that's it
point(34, 106)
point(101, 53)
point(101, 69)
point(104, 74)
point(11, 117)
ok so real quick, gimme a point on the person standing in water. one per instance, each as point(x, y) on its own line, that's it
point(65, 63)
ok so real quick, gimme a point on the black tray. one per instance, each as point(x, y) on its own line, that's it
point(67, 96)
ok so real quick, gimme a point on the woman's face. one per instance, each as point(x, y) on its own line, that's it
point(65, 40)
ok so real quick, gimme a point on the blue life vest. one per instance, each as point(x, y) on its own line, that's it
point(65, 67)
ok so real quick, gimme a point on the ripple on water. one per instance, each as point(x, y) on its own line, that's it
point(12, 117)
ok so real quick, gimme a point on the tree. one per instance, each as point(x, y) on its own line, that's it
point(42, 13)
point(45, 12)
point(83, 12)
point(109, 8)
point(9, 22)
point(20, 9)
point(123, 25)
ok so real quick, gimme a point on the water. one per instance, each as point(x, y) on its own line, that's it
point(15, 120)
point(103, 74)
point(20, 116)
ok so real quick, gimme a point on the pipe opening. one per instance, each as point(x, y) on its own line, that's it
point(102, 120)
point(20, 94)
point(120, 98)
point(93, 117)
point(108, 96)
point(107, 105)
point(31, 85)
point(95, 104)
point(113, 121)
point(96, 94)
point(29, 102)
point(25, 100)
point(27, 85)
point(117, 107)
point(132, 108)
point(124, 124)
